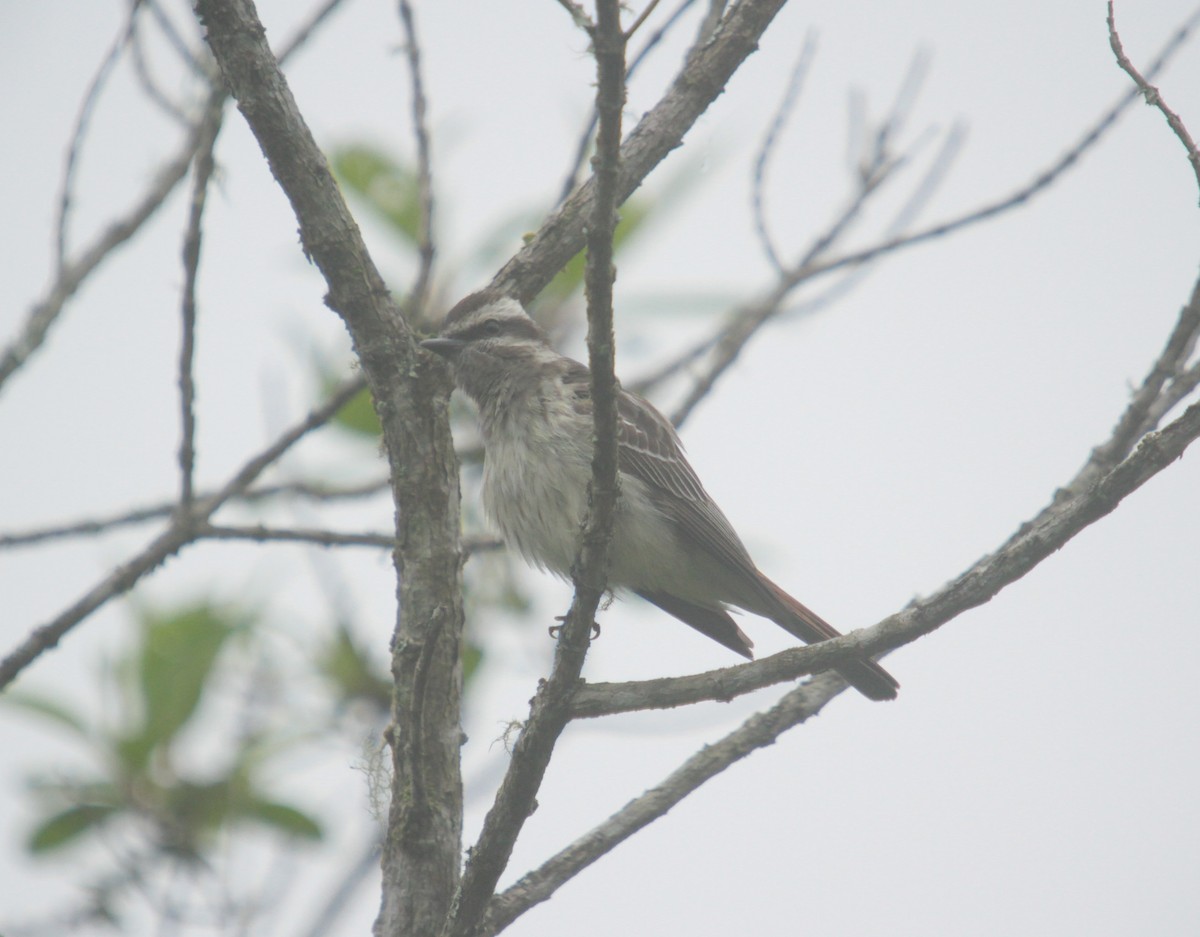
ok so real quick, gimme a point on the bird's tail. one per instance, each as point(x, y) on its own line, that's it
point(866, 676)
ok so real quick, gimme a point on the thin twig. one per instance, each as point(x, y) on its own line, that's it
point(70, 275)
point(102, 525)
point(579, 15)
point(1152, 95)
point(585, 139)
point(175, 39)
point(746, 321)
point(141, 68)
point(661, 129)
point(74, 147)
point(325, 538)
point(420, 290)
point(181, 531)
point(1164, 387)
point(550, 708)
point(708, 26)
point(307, 29)
point(770, 141)
point(641, 18)
point(205, 165)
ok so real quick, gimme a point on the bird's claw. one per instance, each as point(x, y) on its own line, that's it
point(555, 630)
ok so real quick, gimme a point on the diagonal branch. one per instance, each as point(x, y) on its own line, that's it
point(661, 130)
point(1029, 546)
point(1152, 95)
point(756, 732)
point(184, 528)
point(70, 274)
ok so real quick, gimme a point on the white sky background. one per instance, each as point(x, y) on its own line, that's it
point(1037, 774)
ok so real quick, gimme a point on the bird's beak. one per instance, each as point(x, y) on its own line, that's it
point(446, 347)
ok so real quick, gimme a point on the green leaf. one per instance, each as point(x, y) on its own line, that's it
point(49, 709)
point(284, 818)
point(472, 657)
point(62, 828)
point(173, 664)
point(389, 189)
point(358, 415)
point(569, 279)
point(350, 668)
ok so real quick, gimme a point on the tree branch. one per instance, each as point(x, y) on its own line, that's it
point(661, 130)
point(153, 512)
point(745, 322)
point(421, 853)
point(1152, 95)
point(756, 732)
point(549, 712)
point(420, 291)
point(181, 532)
point(205, 165)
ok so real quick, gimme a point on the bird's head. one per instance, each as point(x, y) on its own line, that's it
point(491, 343)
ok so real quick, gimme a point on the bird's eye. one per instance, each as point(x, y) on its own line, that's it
point(491, 327)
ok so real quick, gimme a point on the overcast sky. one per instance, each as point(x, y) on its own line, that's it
point(1037, 774)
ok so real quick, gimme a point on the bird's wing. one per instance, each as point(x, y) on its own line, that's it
point(652, 453)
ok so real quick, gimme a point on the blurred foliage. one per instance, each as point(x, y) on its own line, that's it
point(162, 679)
point(390, 190)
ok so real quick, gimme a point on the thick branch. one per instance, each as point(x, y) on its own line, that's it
point(421, 852)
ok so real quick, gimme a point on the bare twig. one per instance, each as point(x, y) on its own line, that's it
point(181, 531)
point(325, 538)
point(141, 67)
point(1026, 193)
point(420, 290)
point(771, 139)
point(1152, 95)
point(585, 138)
point(71, 274)
point(1163, 388)
point(660, 130)
point(306, 31)
point(153, 512)
point(175, 39)
point(708, 26)
point(551, 706)
point(759, 730)
point(579, 15)
point(641, 18)
point(205, 165)
point(744, 323)
point(74, 147)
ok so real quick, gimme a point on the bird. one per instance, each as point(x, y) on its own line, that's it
point(671, 544)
